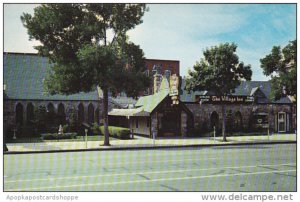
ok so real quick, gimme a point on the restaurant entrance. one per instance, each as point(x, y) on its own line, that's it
point(170, 124)
point(169, 119)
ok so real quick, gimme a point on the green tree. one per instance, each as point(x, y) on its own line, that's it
point(89, 48)
point(72, 118)
point(219, 72)
point(281, 65)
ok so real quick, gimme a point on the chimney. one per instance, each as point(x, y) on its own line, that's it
point(156, 82)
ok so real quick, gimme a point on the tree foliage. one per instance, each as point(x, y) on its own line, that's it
point(281, 65)
point(219, 72)
point(88, 46)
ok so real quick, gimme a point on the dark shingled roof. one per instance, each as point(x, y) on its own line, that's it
point(246, 88)
point(24, 75)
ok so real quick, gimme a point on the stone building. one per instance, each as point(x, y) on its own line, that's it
point(23, 94)
point(155, 115)
point(250, 108)
point(24, 74)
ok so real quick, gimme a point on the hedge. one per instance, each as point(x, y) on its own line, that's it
point(95, 129)
point(118, 132)
point(55, 136)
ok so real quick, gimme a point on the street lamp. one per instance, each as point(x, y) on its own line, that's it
point(86, 131)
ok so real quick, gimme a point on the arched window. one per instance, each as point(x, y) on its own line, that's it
point(61, 114)
point(214, 120)
point(19, 114)
point(29, 113)
point(50, 108)
point(91, 113)
point(80, 113)
point(50, 113)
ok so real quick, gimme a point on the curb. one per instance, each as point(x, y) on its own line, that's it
point(151, 147)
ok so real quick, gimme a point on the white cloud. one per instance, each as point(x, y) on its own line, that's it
point(15, 34)
point(182, 31)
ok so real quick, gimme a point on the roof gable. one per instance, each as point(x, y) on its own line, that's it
point(24, 75)
point(150, 102)
point(259, 89)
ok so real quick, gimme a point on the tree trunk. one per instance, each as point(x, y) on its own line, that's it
point(4, 137)
point(105, 114)
point(224, 122)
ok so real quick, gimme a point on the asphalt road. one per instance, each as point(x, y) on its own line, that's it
point(228, 168)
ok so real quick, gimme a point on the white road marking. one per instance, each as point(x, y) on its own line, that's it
point(154, 180)
point(142, 162)
point(150, 172)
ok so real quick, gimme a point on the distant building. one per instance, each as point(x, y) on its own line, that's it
point(161, 68)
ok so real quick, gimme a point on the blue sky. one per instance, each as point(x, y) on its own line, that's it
point(182, 31)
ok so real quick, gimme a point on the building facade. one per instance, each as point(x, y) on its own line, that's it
point(24, 94)
point(194, 113)
point(155, 115)
point(24, 74)
point(250, 108)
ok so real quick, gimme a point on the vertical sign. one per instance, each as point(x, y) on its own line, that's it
point(174, 84)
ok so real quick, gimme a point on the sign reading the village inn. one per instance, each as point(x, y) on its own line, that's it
point(228, 99)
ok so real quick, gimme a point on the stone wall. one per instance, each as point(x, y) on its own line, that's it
point(10, 109)
point(202, 113)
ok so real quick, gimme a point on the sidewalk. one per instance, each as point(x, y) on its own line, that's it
point(140, 142)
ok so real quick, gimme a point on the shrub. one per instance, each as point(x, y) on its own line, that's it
point(118, 132)
point(66, 128)
point(55, 136)
point(52, 129)
point(95, 129)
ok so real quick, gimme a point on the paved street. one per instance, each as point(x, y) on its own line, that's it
point(227, 168)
